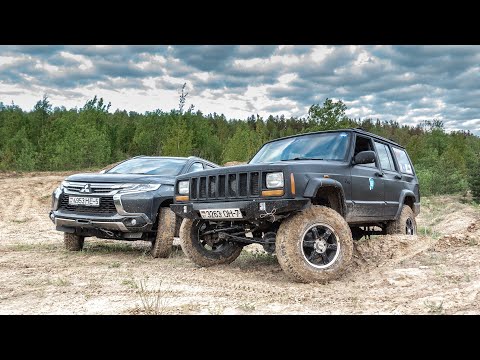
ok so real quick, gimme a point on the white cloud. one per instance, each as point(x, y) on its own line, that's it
point(85, 63)
point(408, 84)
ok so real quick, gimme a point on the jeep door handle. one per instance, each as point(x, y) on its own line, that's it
point(398, 176)
point(379, 174)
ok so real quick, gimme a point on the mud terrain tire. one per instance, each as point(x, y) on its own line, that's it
point(162, 245)
point(191, 246)
point(290, 245)
point(405, 224)
point(73, 242)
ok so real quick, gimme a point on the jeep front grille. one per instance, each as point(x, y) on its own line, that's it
point(254, 183)
point(242, 189)
point(221, 185)
point(212, 186)
point(194, 186)
point(233, 185)
point(202, 189)
point(106, 206)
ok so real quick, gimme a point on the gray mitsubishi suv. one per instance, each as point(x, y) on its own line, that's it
point(127, 202)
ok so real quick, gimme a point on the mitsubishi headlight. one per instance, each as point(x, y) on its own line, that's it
point(141, 187)
point(184, 187)
point(58, 191)
point(274, 180)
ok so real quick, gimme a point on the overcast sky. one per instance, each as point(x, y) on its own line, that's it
point(403, 83)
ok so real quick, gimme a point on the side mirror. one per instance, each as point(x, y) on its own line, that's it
point(103, 171)
point(364, 157)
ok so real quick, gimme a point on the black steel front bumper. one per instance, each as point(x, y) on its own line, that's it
point(253, 209)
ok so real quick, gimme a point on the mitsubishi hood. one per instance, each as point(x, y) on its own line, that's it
point(122, 178)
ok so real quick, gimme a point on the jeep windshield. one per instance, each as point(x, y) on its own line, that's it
point(322, 146)
point(150, 166)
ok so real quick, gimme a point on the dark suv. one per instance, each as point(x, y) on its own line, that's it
point(127, 202)
point(306, 197)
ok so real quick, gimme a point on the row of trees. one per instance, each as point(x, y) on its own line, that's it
point(49, 138)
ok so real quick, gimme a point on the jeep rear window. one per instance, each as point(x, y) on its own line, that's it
point(326, 146)
point(403, 162)
point(385, 156)
point(149, 166)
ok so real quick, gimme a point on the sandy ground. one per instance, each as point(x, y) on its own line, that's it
point(437, 272)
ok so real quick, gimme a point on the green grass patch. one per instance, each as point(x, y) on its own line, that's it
point(247, 307)
point(20, 221)
point(33, 247)
point(109, 248)
point(257, 257)
point(130, 283)
point(433, 307)
point(60, 281)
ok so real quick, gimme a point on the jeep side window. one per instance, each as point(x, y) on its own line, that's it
point(364, 144)
point(385, 156)
point(196, 167)
point(402, 159)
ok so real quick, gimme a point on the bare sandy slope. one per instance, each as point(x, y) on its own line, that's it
point(437, 272)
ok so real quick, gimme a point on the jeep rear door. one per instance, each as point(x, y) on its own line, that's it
point(391, 177)
point(367, 186)
point(404, 165)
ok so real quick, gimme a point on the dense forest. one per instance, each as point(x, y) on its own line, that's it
point(49, 138)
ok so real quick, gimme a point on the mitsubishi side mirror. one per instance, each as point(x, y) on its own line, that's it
point(364, 157)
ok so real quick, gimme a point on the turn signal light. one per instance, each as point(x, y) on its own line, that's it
point(273, 192)
point(292, 184)
point(182, 198)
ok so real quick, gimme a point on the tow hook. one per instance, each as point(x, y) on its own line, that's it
point(109, 233)
point(82, 221)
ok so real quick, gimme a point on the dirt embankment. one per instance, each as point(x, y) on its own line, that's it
point(436, 272)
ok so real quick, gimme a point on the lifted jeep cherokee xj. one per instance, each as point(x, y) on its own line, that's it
point(306, 197)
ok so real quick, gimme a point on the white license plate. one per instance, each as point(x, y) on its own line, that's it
point(83, 200)
point(221, 214)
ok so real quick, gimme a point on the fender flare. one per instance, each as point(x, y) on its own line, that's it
point(315, 184)
point(403, 195)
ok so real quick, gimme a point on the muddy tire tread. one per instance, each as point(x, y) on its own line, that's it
point(162, 246)
point(73, 242)
point(288, 241)
point(397, 227)
point(203, 258)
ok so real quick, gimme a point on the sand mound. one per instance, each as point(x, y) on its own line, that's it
point(389, 249)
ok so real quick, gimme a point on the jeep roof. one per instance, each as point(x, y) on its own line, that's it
point(356, 130)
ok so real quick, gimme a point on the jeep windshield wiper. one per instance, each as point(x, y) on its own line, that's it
point(302, 158)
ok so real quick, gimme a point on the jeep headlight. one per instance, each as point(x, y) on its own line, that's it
point(274, 180)
point(184, 187)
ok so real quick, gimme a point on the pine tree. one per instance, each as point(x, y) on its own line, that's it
point(474, 179)
point(179, 139)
